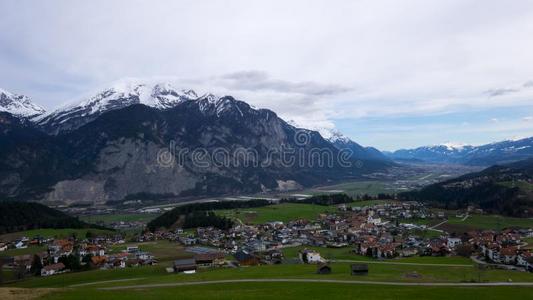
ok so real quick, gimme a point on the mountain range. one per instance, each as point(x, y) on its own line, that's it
point(109, 148)
point(484, 155)
point(501, 189)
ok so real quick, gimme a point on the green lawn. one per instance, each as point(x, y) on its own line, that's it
point(327, 253)
point(163, 250)
point(29, 250)
point(346, 254)
point(110, 218)
point(491, 222)
point(523, 185)
point(379, 271)
point(50, 232)
point(357, 188)
point(298, 291)
point(279, 212)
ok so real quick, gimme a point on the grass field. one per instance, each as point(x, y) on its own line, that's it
point(111, 218)
point(523, 185)
point(297, 291)
point(356, 188)
point(56, 233)
point(377, 272)
point(328, 253)
point(29, 250)
point(490, 222)
point(346, 254)
point(280, 212)
point(163, 250)
point(287, 211)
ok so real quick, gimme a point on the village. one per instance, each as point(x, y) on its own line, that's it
point(386, 231)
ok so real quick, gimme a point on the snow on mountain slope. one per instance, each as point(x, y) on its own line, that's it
point(19, 105)
point(493, 153)
point(120, 95)
point(342, 142)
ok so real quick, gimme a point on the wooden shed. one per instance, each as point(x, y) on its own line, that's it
point(359, 269)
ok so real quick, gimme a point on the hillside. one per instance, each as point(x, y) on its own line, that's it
point(20, 216)
point(206, 146)
point(502, 189)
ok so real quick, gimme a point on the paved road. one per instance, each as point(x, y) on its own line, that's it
point(449, 284)
point(434, 227)
point(501, 266)
point(400, 263)
point(106, 281)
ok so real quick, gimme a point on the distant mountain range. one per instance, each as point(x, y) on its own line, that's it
point(502, 189)
point(484, 155)
point(109, 147)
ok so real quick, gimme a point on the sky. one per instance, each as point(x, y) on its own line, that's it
point(389, 74)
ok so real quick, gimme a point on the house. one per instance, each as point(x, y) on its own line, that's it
point(323, 269)
point(21, 245)
point(52, 269)
point(522, 259)
point(508, 255)
point(98, 260)
point(246, 259)
point(453, 242)
point(359, 269)
point(187, 266)
point(310, 256)
point(209, 259)
point(132, 249)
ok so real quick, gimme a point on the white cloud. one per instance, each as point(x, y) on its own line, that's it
point(315, 61)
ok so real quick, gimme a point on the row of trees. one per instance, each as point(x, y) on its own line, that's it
point(206, 219)
point(331, 199)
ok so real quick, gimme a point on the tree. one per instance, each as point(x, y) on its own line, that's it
point(36, 265)
point(20, 271)
point(71, 262)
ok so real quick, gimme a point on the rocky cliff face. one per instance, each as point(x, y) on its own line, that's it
point(206, 146)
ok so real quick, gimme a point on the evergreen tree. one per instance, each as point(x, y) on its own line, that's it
point(36, 265)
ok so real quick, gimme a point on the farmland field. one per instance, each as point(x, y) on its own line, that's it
point(297, 291)
point(29, 250)
point(486, 222)
point(279, 212)
point(287, 211)
point(85, 285)
point(163, 250)
point(49, 232)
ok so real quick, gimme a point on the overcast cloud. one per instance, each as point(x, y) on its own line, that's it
point(441, 69)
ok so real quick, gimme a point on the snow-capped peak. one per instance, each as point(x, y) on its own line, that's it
point(212, 98)
point(121, 94)
point(330, 134)
point(19, 105)
point(336, 136)
point(454, 146)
